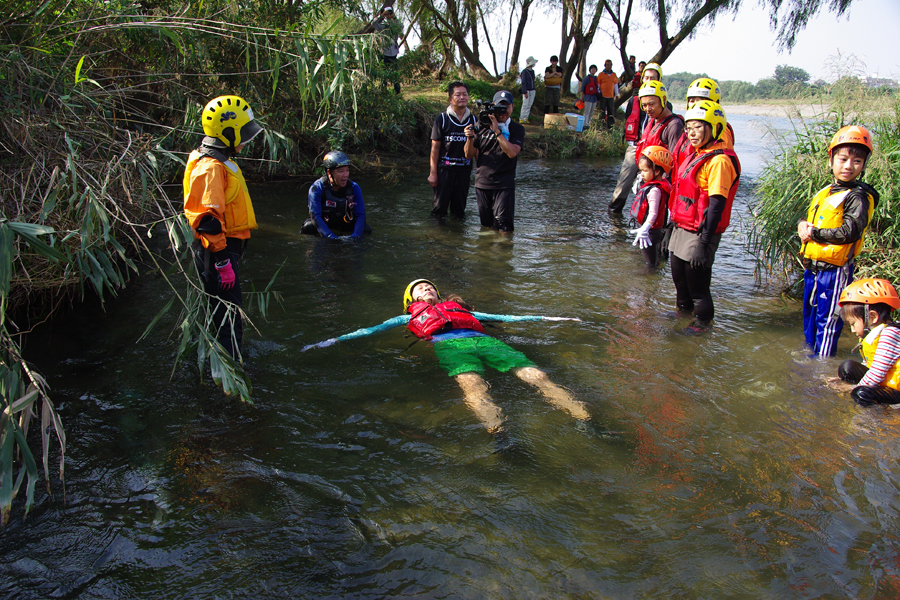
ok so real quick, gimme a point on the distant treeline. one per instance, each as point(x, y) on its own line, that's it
point(787, 82)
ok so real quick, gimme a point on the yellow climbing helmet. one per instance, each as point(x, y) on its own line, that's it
point(654, 88)
point(659, 156)
point(407, 295)
point(230, 120)
point(654, 67)
point(709, 112)
point(703, 87)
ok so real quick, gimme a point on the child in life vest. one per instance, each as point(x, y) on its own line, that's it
point(649, 206)
point(867, 304)
point(463, 350)
point(832, 235)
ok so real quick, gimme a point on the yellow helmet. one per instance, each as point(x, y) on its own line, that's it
point(654, 88)
point(407, 295)
point(653, 66)
point(229, 119)
point(703, 88)
point(709, 112)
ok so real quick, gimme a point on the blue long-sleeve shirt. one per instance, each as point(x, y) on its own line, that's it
point(317, 191)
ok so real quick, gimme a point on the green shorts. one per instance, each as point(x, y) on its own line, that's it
point(465, 355)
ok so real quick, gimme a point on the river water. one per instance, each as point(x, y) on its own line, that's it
point(714, 466)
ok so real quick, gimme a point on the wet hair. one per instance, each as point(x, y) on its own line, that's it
point(456, 298)
point(652, 166)
point(860, 311)
point(856, 150)
point(455, 85)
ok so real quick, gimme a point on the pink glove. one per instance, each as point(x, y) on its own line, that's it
point(226, 274)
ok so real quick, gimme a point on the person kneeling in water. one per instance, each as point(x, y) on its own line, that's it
point(463, 349)
point(336, 207)
point(867, 304)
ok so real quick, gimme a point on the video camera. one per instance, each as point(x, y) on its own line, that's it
point(486, 109)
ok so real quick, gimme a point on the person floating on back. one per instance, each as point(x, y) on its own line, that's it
point(463, 350)
point(832, 235)
point(867, 304)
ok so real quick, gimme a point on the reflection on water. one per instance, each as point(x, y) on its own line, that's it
point(714, 466)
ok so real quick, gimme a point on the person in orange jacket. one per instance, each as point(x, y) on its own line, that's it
point(218, 208)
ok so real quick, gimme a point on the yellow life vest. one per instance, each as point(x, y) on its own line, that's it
point(869, 345)
point(826, 211)
point(237, 212)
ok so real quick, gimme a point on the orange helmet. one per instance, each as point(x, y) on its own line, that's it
point(659, 156)
point(851, 134)
point(871, 291)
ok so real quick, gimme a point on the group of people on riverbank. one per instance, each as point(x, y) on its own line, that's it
point(689, 175)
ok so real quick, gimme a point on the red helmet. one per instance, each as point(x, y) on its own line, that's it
point(871, 291)
point(851, 134)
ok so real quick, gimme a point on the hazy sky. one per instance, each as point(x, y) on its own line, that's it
point(744, 48)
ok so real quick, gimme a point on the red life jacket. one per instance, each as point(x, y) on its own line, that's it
point(633, 122)
point(590, 88)
point(641, 206)
point(653, 135)
point(689, 207)
point(681, 152)
point(427, 319)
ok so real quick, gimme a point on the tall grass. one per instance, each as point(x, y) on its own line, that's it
point(800, 168)
point(97, 111)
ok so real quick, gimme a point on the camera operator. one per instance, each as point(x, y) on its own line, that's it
point(496, 149)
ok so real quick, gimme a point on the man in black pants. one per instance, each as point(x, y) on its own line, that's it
point(451, 171)
point(496, 150)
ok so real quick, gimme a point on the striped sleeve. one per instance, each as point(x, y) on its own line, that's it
point(886, 356)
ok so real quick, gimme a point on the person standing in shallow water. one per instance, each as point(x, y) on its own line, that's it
point(336, 206)
point(464, 350)
point(451, 172)
point(218, 208)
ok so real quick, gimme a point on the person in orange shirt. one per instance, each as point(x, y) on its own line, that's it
point(609, 89)
point(218, 208)
point(707, 184)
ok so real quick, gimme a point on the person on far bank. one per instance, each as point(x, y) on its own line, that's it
point(336, 207)
point(707, 185)
point(832, 235)
point(624, 78)
point(451, 172)
point(218, 208)
point(529, 93)
point(866, 305)
point(388, 23)
point(589, 94)
point(635, 122)
point(496, 150)
point(552, 86)
point(651, 202)
point(638, 76)
point(609, 89)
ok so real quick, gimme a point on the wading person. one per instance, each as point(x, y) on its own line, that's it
point(496, 149)
point(528, 90)
point(552, 86)
point(609, 89)
point(866, 306)
point(464, 350)
point(217, 206)
point(451, 171)
point(707, 184)
point(635, 122)
point(651, 202)
point(832, 235)
point(703, 88)
point(336, 207)
point(665, 127)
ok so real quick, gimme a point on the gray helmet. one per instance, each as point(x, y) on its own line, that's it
point(335, 159)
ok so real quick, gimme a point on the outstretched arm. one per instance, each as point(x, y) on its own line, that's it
point(515, 318)
point(389, 324)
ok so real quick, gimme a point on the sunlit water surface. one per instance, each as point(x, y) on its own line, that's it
point(714, 466)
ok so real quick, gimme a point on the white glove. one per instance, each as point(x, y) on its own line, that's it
point(641, 237)
point(324, 344)
point(562, 319)
point(638, 182)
